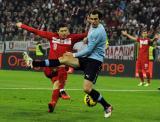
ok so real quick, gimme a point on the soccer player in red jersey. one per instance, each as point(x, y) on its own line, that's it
point(143, 55)
point(60, 42)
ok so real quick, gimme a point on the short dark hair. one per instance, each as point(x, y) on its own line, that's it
point(61, 25)
point(95, 11)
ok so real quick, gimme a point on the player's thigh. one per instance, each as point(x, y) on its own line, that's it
point(145, 65)
point(92, 70)
point(69, 60)
point(139, 65)
point(62, 73)
point(49, 72)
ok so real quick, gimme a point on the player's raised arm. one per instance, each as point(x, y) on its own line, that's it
point(155, 38)
point(41, 33)
point(79, 37)
point(128, 35)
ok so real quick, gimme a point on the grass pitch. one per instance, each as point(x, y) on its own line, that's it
point(24, 96)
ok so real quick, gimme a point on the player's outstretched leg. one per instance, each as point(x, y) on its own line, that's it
point(40, 63)
point(64, 60)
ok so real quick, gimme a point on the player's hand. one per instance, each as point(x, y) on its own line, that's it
point(85, 40)
point(19, 24)
point(124, 32)
point(156, 36)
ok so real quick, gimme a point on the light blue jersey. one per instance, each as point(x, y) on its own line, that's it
point(96, 44)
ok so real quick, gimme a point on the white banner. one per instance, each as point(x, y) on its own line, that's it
point(16, 46)
point(1, 47)
point(122, 52)
point(45, 45)
point(32, 45)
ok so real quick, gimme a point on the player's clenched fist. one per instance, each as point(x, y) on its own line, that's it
point(19, 24)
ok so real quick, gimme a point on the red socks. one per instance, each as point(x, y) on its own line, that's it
point(55, 96)
point(141, 76)
point(148, 77)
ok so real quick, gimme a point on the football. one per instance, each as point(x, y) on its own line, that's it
point(89, 101)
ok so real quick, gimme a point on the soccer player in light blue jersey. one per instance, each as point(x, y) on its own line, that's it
point(89, 60)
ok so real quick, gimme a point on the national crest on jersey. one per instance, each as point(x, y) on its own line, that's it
point(66, 41)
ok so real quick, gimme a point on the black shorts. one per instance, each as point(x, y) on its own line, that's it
point(91, 68)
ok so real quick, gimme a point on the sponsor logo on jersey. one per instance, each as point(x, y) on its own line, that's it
point(144, 42)
point(61, 41)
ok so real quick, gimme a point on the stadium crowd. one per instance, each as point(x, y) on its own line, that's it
point(46, 14)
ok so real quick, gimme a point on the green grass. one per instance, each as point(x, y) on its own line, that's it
point(30, 105)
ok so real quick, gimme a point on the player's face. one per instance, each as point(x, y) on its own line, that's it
point(63, 32)
point(88, 19)
point(144, 34)
point(94, 20)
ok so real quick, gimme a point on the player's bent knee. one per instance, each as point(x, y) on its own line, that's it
point(56, 84)
point(86, 89)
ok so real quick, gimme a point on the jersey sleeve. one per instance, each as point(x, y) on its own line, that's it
point(44, 34)
point(78, 37)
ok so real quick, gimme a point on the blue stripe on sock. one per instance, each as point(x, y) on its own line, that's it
point(46, 62)
point(99, 98)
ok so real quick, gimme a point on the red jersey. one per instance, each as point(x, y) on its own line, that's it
point(143, 48)
point(58, 46)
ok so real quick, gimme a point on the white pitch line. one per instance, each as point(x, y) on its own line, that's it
point(109, 90)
